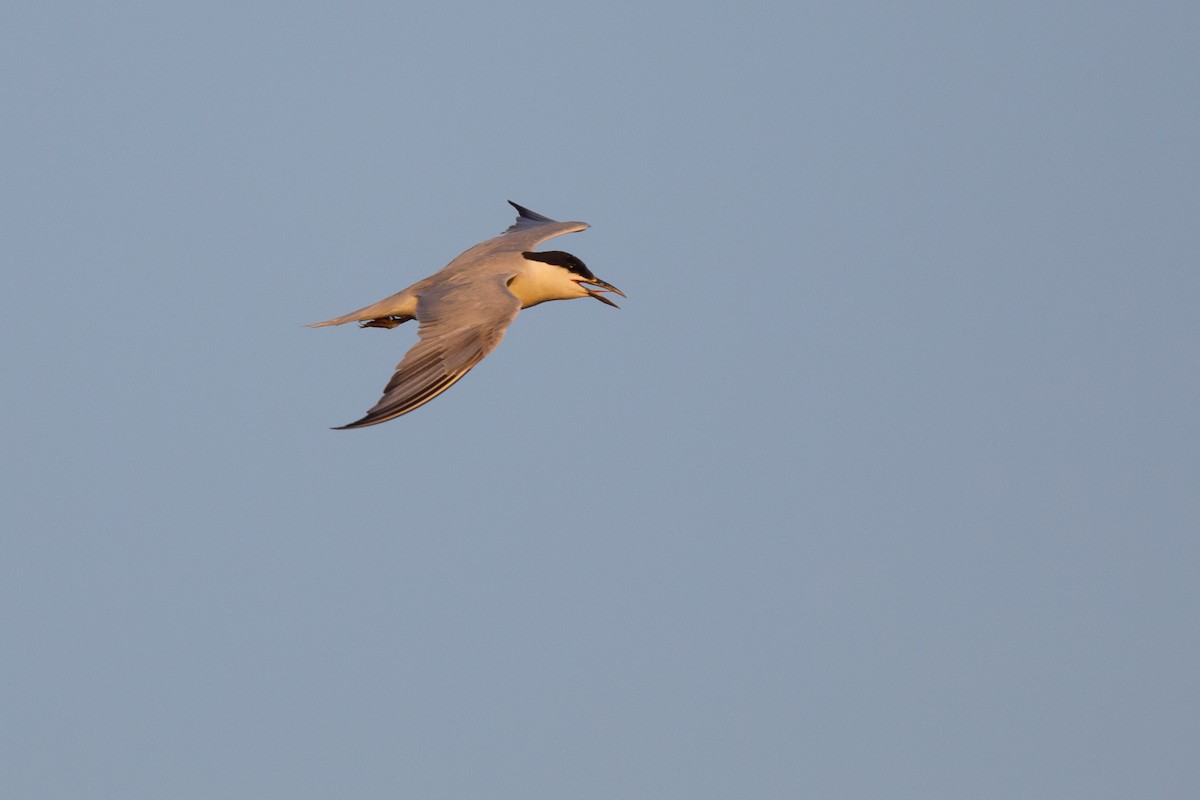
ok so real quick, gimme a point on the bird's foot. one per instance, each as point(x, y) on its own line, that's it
point(382, 322)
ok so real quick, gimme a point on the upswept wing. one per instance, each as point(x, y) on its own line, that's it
point(529, 231)
point(460, 324)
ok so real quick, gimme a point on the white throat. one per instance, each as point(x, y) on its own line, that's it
point(538, 282)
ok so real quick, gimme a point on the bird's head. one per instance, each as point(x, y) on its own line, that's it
point(573, 278)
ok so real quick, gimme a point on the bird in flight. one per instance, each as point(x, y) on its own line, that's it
point(464, 308)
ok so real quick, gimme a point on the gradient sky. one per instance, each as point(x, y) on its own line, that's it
point(882, 483)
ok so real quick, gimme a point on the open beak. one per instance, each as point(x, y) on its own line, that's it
point(602, 287)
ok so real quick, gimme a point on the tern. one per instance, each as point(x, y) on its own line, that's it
point(464, 308)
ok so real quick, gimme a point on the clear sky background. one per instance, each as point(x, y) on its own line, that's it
point(883, 482)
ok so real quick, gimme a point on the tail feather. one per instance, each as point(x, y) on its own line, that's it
point(387, 313)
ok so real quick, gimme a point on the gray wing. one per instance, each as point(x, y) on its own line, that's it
point(530, 230)
point(459, 326)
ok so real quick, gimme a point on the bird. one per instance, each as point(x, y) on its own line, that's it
point(464, 309)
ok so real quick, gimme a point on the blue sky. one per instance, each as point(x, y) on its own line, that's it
point(881, 483)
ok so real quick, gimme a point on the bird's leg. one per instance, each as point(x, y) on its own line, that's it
point(383, 322)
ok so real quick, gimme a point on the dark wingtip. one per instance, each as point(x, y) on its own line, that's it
point(527, 214)
point(361, 423)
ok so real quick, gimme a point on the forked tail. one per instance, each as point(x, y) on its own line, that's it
point(387, 313)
